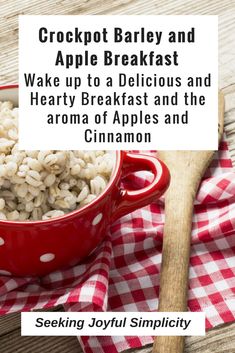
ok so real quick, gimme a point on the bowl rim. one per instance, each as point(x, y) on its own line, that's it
point(14, 85)
point(114, 177)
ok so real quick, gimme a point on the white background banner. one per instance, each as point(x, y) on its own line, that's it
point(118, 82)
point(112, 324)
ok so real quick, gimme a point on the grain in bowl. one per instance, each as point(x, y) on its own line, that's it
point(39, 185)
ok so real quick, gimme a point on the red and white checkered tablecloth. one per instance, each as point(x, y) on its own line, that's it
point(123, 273)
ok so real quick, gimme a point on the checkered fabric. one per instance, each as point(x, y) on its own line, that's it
point(123, 273)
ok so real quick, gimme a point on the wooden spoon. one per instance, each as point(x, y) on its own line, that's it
point(186, 168)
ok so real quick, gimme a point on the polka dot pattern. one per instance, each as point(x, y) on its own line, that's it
point(97, 219)
point(2, 242)
point(47, 257)
point(5, 273)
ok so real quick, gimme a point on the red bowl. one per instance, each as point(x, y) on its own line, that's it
point(38, 247)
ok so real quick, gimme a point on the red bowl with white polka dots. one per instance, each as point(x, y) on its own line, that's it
point(36, 248)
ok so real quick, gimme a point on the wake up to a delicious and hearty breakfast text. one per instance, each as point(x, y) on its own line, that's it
point(118, 82)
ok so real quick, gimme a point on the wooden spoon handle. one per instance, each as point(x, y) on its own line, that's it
point(175, 261)
point(187, 169)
